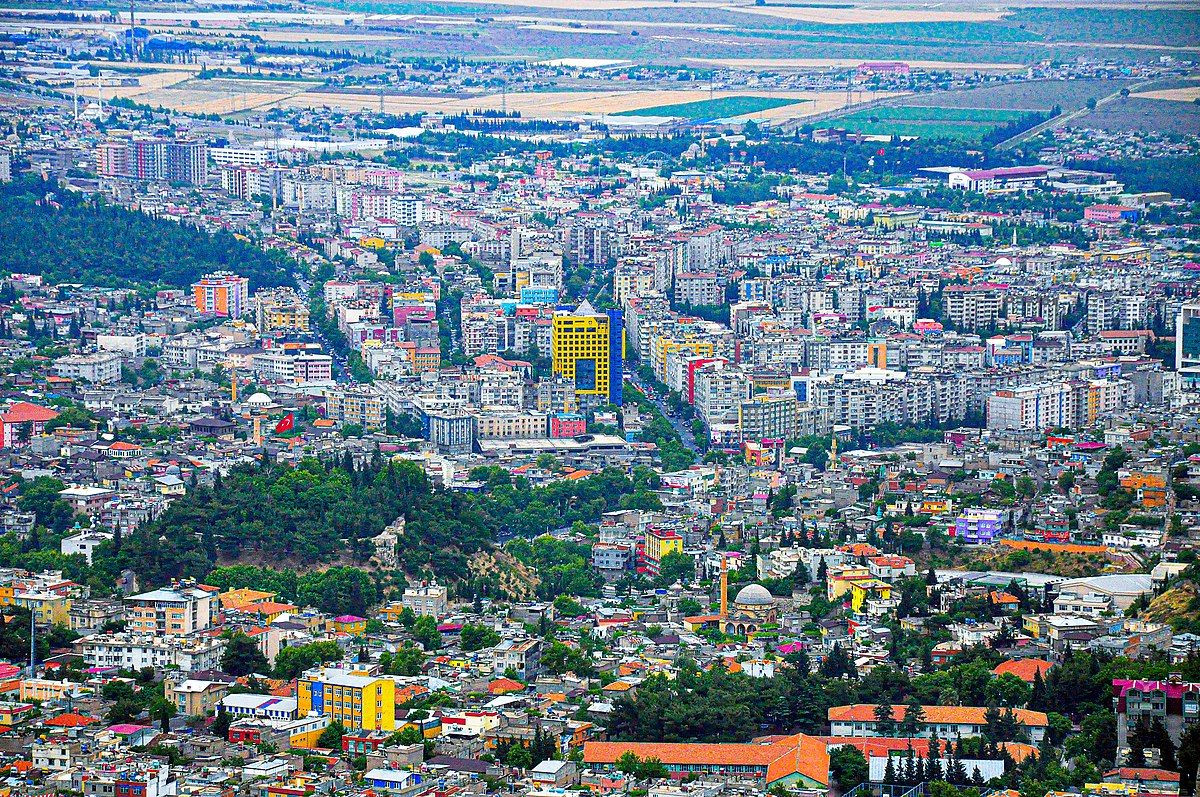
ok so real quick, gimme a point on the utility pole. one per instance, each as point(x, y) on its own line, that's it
point(132, 39)
point(32, 642)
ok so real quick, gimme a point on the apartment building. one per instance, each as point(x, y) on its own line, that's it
point(357, 701)
point(222, 293)
point(130, 651)
point(523, 656)
point(427, 599)
point(355, 405)
point(1033, 408)
point(177, 610)
point(100, 368)
point(971, 307)
point(502, 425)
point(718, 391)
point(292, 368)
point(768, 417)
point(1175, 702)
point(281, 310)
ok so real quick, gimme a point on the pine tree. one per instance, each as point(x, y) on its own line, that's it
point(889, 771)
point(933, 765)
point(1037, 694)
point(955, 771)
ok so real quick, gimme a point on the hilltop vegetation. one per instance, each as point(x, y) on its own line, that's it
point(79, 239)
point(1179, 606)
point(327, 513)
point(1060, 563)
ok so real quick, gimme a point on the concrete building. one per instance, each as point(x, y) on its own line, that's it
point(948, 722)
point(222, 293)
point(1187, 345)
point(177, 610)
point(427, 600)
point(355, 405)
point(98, 369)
point(1174, 701)
point(1033, 408)
point(589, 347)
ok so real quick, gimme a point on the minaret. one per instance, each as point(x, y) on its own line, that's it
point(833, 457)
point(724, 587)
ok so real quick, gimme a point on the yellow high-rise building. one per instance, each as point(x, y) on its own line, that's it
point(357, 701)
point(589, 347)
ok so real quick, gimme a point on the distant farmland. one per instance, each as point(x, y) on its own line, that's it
point(966, 124)
point(722, 108)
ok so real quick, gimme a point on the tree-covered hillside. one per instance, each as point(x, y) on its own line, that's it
point(66, 237)
point(325, 514)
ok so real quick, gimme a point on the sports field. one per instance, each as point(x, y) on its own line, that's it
point(721, 108)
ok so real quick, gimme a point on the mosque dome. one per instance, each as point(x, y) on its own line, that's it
point(753, 595)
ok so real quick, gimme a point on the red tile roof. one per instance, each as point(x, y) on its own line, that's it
point(1023, 668)
point(801, 754)
point(502, 686)
point(934, 715)
point(1143, 773)
point(24, 412)
point(71, 721)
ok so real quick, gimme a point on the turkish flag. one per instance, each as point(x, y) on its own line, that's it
point(286, 424)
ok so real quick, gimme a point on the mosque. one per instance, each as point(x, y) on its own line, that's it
point(753, 607)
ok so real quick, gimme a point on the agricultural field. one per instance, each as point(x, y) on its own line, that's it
point(557, 105)
point(1144, 114)
point(709, 110)
point(965, 124)
point(1036, 95)
point(674, 29)
point(219, 95)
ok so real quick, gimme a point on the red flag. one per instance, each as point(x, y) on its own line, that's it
point(286, 424)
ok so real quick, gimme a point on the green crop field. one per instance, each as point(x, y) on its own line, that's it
point(967, 124)
point(707, 110)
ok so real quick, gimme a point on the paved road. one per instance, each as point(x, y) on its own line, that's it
point(683, 428)
point(1063, 119)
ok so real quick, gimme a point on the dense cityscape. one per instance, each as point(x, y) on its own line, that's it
point(385, 411)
